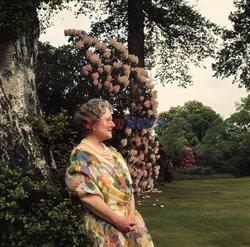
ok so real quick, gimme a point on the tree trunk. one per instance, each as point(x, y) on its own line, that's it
point(19, 102)
point(136, 30)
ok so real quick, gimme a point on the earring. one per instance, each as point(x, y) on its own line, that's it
point(93, 129)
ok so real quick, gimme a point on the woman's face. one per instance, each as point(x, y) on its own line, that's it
point(104, 126)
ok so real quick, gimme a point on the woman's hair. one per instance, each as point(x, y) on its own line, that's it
point(93, 108)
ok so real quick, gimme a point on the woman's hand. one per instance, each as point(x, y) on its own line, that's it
point(126, 224)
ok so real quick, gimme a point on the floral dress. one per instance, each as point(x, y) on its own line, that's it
point(92, 174)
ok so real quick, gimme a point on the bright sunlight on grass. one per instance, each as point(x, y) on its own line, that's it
point(200, 213)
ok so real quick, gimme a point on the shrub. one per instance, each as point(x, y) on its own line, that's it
point(37, 212)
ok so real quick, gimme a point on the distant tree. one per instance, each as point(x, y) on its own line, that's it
point(234, 57)
point(226, 145)
point(196, 116)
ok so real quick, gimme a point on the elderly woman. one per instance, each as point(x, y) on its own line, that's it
point(99, 177)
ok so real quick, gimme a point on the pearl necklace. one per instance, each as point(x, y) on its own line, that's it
point(105, 153)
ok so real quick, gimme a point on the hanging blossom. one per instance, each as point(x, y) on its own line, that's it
point(112, 71)
point(100, 46)
point(107, 54)
point(149, 85)
point(133, 59)
point(124, 142)
point(107, 69)
point(118, 46)
point(123, 80)
point(116, 88)
point(95, 59)
point(128, 131)
point(87, 40)
point(126, 69)
point(72, 32)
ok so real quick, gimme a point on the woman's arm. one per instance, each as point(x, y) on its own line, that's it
point(97, 206)
point(132, 205)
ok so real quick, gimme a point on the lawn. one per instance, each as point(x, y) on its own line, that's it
point(199, 213)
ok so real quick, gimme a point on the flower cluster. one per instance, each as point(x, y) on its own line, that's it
point(113, 71)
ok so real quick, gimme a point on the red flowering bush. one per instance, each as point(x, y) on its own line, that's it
point(116, 77)
point(189, 159)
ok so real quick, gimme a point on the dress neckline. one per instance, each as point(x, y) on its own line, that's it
point(112, 165)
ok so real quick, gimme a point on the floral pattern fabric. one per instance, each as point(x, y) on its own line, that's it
point(92, 174)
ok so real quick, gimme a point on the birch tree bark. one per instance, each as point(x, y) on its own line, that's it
point(19, 102)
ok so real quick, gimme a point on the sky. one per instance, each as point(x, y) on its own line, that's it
point(220, 95)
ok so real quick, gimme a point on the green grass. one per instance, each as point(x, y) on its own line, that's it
point(200, 213)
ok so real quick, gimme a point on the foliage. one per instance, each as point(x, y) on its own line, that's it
point(52, 131)
point(174, 141)
point(175, 34)
point(165, 162)
point(195, 117)
point(226, 146)
point(233, 59)
point(18, 17)
point(197, 170)
point(34, 210)
point(184, 127)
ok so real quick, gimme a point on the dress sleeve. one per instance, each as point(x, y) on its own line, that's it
point(79, 178)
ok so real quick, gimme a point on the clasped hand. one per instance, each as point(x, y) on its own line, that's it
point(127, 224)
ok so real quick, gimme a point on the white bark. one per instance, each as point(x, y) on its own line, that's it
point(18, 103)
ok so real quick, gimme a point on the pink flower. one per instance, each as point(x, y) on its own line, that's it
point(124, 80)
point(100, 46)
point(107, 69)
point(85, 71)
point(117, 65)
point(87, 40)
point(154, 103)
point(118, 46)
point(106, 84)
point(141, 98)
point(157, 156)
point(95, 75)
point(116, 88)
point(95, 82)
point(72, 32)
point(124, 142)
point(95, 59)
point(150, 112)
point(88, 67)
point(137, 182)
point(128, 131)
point(126, 69)
point(109, 78)
point(100, 70)
point(149, 85)
point(79, 44)
point(107, 54)
point(147, 103)
point(133, 59)
point(110, 87)
point(138, 189)
point(89, 54)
